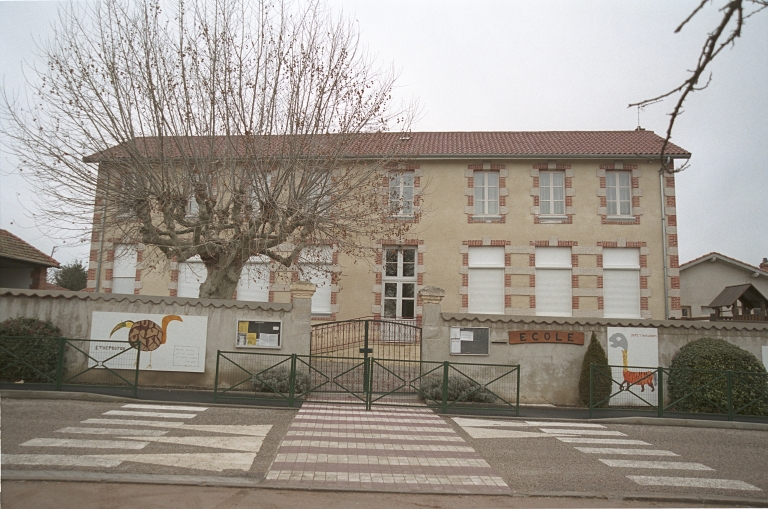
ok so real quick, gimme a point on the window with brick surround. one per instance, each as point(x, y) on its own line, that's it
point(253, 284)
point(191, 274)
point(621, 283)
point(553, 281)
point(486, 195)
point(618, 193)
point(552, 193)
point(124, 271)
point(486, 280)
point(399, 281)
point(317, 267)
point(401, 186)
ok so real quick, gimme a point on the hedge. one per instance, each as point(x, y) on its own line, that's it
point(29, 350)
point(595, 354)
point(460, 389)
point(279, 380)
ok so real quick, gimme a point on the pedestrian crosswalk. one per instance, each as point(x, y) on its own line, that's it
point(594, 435)
point(130, 430)
point(392, 449)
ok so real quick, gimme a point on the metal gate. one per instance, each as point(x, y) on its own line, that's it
point(341, 352)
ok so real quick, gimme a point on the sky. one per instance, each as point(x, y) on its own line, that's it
point(535, 65)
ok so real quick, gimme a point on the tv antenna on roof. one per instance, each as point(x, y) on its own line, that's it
point(642, 106)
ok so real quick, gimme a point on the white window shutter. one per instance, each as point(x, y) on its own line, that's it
point(553, 292)
point(621, 258)
point(321, 300)
point(486, 257)
point(191, 274)
point(254, 282)
point(621, 293)
point(486, 290)
point(124, 269)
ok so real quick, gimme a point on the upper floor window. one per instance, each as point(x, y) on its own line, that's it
point(486, 185)
point(552, 193)
point(618, 193)
point(401, 193)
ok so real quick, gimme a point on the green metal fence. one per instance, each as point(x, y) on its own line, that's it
point(59, 363)
point(678, 391)
point(290, 379)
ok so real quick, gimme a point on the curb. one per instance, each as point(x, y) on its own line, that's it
point(106, 398)
point(643, 421)
point(240, 482)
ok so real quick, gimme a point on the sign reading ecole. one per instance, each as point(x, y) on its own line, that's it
point(554, 337)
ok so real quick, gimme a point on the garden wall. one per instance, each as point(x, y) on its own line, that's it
point(550, 372)
point(73, 312)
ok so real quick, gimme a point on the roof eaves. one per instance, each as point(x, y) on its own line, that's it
point(731, 261)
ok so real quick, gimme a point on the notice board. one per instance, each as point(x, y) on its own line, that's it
point(258, 334)
point(470, 340)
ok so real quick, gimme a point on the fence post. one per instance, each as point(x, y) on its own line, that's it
point(660, 392)
point(369, 382)
point(216, 378)
point(444, 405)
point(517, 400)
point(60, 366)
point(136, 379)
point(366, 366)
point(292, 381)
point(729, 393)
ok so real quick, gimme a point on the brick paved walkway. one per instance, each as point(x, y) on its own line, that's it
point(392, 449)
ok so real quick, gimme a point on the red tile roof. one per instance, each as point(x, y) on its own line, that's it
point(427, 145)
point(14, 248)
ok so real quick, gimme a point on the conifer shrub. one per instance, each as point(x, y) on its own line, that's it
point(29, 350)
point(602, 384)
point(693, 379)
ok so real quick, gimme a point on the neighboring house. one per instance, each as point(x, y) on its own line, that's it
point(21, 265)
point(702, 279)
point(515, 223)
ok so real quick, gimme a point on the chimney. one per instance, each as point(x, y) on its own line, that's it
point(764, 264)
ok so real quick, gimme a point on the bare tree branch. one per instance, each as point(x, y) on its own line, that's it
point(725, 34)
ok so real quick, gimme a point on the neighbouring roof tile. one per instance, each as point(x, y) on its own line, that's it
point(14, 248)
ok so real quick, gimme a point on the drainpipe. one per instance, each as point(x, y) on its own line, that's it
point(664, 242)
point(101, 241)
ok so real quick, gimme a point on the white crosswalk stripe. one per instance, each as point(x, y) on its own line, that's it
point(663, 465)
point(612, 441)
point(693, 482)
point(167, 407)
point(84, 444)
point(113, 431)
point(627, 452)
point(568, 431)
point(137, 413)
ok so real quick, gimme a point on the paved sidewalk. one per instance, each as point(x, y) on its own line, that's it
point(389, 449)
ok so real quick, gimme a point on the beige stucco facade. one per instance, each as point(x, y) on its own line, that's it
point(445, 228)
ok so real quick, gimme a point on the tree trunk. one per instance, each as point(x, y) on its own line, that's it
point(220, 283)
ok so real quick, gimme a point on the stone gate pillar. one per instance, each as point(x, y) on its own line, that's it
point(301, 316)
point(431, 320)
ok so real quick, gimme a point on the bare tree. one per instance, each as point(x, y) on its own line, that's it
point(222, 129)
point(734, 15)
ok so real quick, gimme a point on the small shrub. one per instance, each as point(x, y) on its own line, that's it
point(279, 380)
point(459, 389)
point(595, 354)
point(24, 356)
point(717, 354)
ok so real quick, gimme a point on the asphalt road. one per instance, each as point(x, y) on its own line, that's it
point(540, 469)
